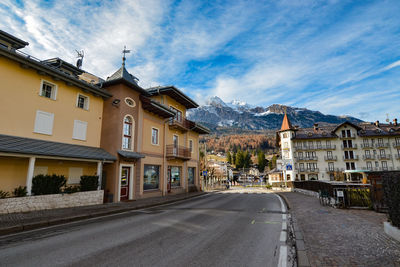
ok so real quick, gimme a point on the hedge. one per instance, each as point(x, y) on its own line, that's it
point(48, 184)
point(89, 183)
point(391, 191)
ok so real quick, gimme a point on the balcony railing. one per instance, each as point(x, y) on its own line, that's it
point(382, 145)
point(385, 156)
point(180, 124)
point(314, 170)
point(317, 147)
point(330, 157)
point(370, 156)
point(307, 158)
point(366, 145)
point(355, 157)
point(178, 152)
point(396, 144)
point(352, 135)
point(353, 146)
point(334, 169)
point(376, 169)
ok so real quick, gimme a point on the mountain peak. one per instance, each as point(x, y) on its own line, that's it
point(215, 101)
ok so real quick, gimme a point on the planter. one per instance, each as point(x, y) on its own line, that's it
point(45, 202)
point(391, 230)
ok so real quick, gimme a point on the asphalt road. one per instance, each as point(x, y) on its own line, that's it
point(212, 230)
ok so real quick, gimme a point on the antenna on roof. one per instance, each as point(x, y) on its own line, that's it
point(387, 117)
point(125, 51)
point(80, 56)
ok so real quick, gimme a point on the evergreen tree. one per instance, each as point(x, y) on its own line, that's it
point(234, 158)
point(262, 162)
point(239, 159)
point(229, 157)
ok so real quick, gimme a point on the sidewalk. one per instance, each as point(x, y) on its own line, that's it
point(17, 222)
point(340, 237)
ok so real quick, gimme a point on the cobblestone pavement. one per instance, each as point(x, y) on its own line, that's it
point(17, 222)
point(342, 237)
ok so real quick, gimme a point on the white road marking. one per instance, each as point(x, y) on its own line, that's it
point(284, 226)
point(283, 236)
point(282, 256)
point(283, 217)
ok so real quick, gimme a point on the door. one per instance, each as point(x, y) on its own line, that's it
point(125, 175)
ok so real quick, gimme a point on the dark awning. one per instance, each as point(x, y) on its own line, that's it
point(35, 147)
point(130, 155)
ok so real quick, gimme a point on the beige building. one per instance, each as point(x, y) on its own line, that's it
point(345, 151)
point(50, 120)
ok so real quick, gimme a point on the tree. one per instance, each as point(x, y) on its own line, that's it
point(272, 163)
point(247, 159)
point(239, 159)
point(233, 158)
point(229, 157)
point(261, 161)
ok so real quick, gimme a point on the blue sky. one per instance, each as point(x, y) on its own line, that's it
point(338, 57)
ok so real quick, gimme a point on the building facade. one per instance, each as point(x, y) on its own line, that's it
point(345, 151)
point(50, 120)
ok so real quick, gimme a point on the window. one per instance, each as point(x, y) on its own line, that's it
point(191, 174)
point(350, 166)
point(44, 122)
point(397, 140)
point(151, 179)
point(82, 102)
point(175, 173)
point(347, 143)
point(74, 175)
point(130, 102)
point(127, 133)
point(301, 166)
point(178, 115)
point(310, 144)
point(154, 136)
point(300, 155)
point(329, 155)
point(348, 133)
point(328, 143)
point(380, 141)
point(176, 142)
point(382, 152)
point(343, 133)
point(331, 166)
point(349, 155)
point(369, 165)
point(48, 90)
point(319, 146)
point(384, 166)
point(285, 135)
point(80, 128)
point(191, 146)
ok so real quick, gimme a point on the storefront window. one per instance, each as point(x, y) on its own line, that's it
point(151, 177)
point(175, 176)
point(191, 172)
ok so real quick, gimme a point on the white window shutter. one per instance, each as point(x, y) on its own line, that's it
point(44, 122)
point(74, 175)
point(80, 128)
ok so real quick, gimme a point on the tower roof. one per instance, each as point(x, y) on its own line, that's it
point(286, 125)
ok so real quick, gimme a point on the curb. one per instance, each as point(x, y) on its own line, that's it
point(57, 221)
point(301, 253)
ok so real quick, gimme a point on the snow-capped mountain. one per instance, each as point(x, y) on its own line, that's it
point(238, 114)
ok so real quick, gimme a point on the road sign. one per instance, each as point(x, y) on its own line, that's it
point(204, 173)
point(340, 193)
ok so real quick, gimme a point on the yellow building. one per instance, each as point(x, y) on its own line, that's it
point(50, 120)
point(155, 145)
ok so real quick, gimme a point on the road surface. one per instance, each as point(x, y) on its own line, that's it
point(218, 229)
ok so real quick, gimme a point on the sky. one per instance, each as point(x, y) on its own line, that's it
point(338, 57)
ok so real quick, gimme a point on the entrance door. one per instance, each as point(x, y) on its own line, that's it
point(125, 174)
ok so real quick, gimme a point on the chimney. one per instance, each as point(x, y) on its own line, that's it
point(377, 123)
point(315, 127)
point(395, 122)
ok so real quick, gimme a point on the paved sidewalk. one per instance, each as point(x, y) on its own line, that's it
point(17, 222)
point(340, 237)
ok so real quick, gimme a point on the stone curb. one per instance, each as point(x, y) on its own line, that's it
point(56, 221)
point(301, 253)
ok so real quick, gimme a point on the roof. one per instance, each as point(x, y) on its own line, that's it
point(286, 125)
point(35, 147)
point(197, 127)
point(156, 108)
point(130, 155)
point(174, 93)
point(347, 123)
point(59, 63)
point(27, 61)
point(15, 42)
point(124, 77)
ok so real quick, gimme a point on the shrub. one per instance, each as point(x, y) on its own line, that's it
point(89, 183)
point(4, 194)
point(20, 191)
point(70, 189)
point(391, 190)
point(48, 184)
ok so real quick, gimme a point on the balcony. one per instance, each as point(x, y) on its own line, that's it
point(334, 169)
point(352, 135)
point(382, 145)
point(355, 157)
point(307, 158)
point(317, 147)
point(385, 156)
point(314, 170)
point(377, 169)
point(396, 145)
point(367, 146)
point(181, 124)
point(330, 157)
point(367, 157)
point(397, 156)
point(179, 152)
point(353, 146)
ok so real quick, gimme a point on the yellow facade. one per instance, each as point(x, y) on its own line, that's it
point(151, 121)
point(12, 172)
point(20, 90)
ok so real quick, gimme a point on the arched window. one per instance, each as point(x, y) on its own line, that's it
point(127, 133)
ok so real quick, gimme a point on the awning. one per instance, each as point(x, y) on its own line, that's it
point(130, 155)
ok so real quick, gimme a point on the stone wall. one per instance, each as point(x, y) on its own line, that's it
point(44, 202)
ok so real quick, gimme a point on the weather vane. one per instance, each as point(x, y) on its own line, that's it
point(125, 51)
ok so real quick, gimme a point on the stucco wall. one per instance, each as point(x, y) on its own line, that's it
point(44, 202)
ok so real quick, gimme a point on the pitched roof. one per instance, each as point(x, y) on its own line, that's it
point(286, 125)
point(123, 76)
point(175, 93)
point(29, 146)
point(11, 39)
